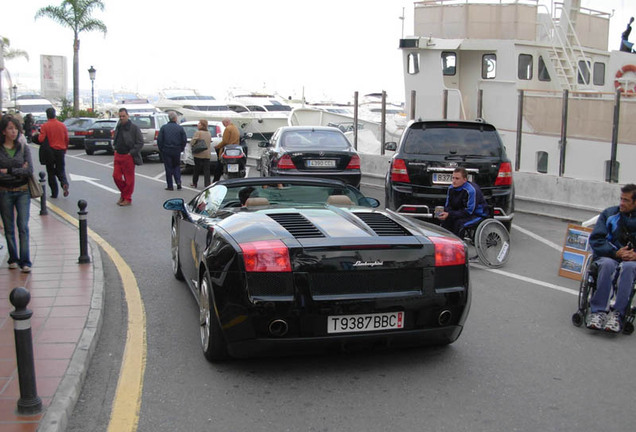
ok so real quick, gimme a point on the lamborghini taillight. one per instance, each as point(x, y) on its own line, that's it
point(266, 256)
point(448, 251)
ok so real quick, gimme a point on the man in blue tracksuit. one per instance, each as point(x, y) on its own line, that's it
point(613, 241)
point(171, 141)
point(465, 204)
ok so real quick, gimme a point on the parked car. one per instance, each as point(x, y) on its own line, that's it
point(100, 136)
point(421, 169)
point(38, 122)
point(149, 123)
point(78, 130)
point(296, 263)
point(314, 151)
point(215, 128)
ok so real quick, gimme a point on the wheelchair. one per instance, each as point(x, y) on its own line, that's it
point(587, 289)
point(491, 241)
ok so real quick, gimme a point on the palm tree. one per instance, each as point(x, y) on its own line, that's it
point(6, 53)
point(76, 15)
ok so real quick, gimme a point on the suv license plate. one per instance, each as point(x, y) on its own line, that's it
point(321, 163)
point(232, 168)
point(365, 323)
point(446, 178)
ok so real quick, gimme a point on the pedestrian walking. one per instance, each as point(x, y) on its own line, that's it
point(201, 158)
point(171, 141)
point(15, 199)
point(55, 132)
point(128, 142)
point(29, 125)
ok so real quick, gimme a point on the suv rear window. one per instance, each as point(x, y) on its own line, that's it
point(453, 138)
point(149, 122)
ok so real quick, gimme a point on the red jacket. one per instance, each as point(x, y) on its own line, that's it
point(56, 132)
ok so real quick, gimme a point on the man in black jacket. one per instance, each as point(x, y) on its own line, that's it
point(128, 143)
point(171, 141)
point(612, 243)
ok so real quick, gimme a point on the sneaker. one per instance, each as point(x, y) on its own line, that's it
point(26, 269)
point(613, 323)
point(13, 266)
point(596, 320)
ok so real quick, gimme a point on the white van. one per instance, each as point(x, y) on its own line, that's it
point(33, 104)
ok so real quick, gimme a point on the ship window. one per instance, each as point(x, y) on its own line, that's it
point(584, 72)
point(543, 73)
point(489, 66)
point(525, 67)
point(599, 73)
point(449, 63)
point(413, 63)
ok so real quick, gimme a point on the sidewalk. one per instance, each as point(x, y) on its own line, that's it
point(66, 300)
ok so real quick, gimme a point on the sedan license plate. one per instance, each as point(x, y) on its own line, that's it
point(232, 168)
point(446, 178)
point(365, 323)
point(321, 163)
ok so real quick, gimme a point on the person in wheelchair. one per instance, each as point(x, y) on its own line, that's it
point(465, 204)
point(612, 241)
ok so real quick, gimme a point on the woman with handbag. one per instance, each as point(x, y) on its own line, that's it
point(15, 170)
point(201, 153)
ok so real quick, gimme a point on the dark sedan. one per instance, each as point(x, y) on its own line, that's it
point(78, 130)
point(295, 264)
point(314, 151)
point(100, 136)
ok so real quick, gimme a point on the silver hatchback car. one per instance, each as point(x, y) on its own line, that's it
point(149, 123)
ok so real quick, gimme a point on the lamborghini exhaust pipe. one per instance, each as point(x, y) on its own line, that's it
point(278, 328)
point(444, 317)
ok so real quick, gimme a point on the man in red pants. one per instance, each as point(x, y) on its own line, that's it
point(128, 143)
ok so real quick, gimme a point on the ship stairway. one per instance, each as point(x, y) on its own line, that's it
point(566, 53)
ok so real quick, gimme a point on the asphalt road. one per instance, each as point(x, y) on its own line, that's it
point(519, 365)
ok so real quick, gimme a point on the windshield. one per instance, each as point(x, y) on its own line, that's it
point(452, 139)
point(297, 140)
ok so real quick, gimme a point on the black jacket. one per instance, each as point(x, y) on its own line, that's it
point(17, 175)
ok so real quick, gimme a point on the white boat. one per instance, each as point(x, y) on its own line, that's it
point(191, 106)
point(268, 112)
point(520, 66)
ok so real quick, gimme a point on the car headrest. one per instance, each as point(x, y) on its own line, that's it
point(256, 202)
point(339, 200)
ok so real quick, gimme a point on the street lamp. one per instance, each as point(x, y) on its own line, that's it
point(91, 74)
point(14, 93)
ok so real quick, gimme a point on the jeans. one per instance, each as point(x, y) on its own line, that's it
point(607, 268)
point(10, 203)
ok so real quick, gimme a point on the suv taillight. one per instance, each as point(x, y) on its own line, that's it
point(286, 162)
point(399, 172)
point(354, 163)
point(156, 134)
point(504, 176)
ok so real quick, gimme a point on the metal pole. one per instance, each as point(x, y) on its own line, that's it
point(93, 95)
point(613, 168)
point(29, 402)
point(412, 113)
point(43, 208)
point(355, 120)
point(519, 131)
point(445, 105)
point(480, 99)
point(564, 132)
point(83, 231)
point(383, 123)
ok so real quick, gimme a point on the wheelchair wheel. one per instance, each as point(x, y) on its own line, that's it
point(578, 318)
point(492, 242)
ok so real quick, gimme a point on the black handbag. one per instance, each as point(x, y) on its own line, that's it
point(199, 146)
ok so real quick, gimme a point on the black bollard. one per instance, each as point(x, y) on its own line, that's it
point(43, 208)
point(83, 233)
point(29, 402)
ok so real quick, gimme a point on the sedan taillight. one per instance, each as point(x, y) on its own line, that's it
point(266, 256)
point(448, 251)
point(504, 176)
point(286, 162)
point(354, 163)
point(399, 172)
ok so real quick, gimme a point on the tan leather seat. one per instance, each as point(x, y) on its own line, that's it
point(256, 202)
point(339, 200)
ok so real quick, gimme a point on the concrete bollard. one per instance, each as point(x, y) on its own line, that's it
point(43, 208)
point(29, 402)
point(83, 233)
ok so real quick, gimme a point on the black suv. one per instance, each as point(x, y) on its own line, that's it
point(422, 167)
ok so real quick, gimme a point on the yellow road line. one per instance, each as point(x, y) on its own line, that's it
point(124, 416)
